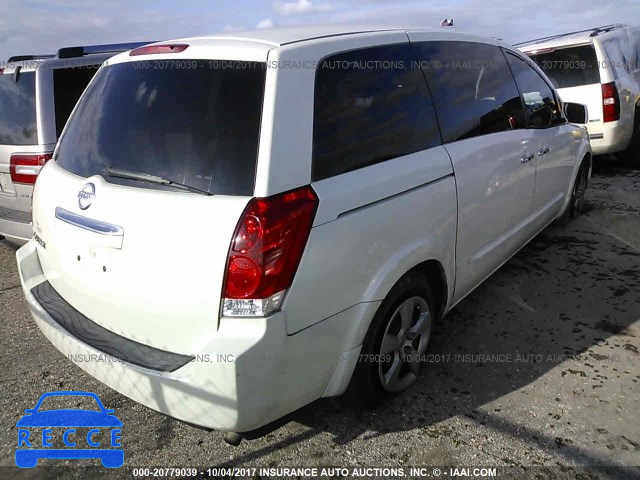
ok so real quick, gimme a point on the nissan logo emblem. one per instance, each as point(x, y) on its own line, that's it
point(86, 196)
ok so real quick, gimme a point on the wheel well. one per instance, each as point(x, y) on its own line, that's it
point(588, 158)
point(434, 273)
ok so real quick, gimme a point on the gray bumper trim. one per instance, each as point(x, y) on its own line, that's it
point(102, 339)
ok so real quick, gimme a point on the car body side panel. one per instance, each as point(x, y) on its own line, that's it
point(495, 194)
point(553, 169)
point(380, 221)
point(582, 150)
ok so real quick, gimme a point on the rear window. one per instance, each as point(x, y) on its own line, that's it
point(18, 109)
point(68, 85)
point(195, 122)
point(570, 67)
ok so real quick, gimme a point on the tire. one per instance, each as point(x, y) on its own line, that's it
point(391, 357)
point(576, 203)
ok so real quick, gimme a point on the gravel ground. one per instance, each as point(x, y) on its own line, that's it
point(539, 366)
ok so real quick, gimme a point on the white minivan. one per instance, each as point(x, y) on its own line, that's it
point(600, 68)
point(235, 226)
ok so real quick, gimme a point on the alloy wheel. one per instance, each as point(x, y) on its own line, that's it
point(404, 342)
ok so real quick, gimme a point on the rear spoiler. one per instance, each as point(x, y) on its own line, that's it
point(81, 51)
point(25, 58)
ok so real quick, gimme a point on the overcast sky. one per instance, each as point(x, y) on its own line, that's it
point(39, 26)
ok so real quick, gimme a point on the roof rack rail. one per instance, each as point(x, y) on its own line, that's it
point(24, 58)
point(594, 31)
point(608, 28)
point(73, 52)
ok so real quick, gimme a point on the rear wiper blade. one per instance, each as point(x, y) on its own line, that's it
point(147, 177)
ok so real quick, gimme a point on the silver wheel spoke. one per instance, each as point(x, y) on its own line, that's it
point(406, 338)
point(406, 315)
point(423, 324)
point(392, 376)
point(390, 343)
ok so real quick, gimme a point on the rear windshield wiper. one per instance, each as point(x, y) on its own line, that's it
point(147, 177)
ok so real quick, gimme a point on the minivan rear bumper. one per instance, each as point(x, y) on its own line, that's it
point(247, 375)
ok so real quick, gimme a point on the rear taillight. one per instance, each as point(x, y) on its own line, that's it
point(1, 71)
point(265, 251)
point(610, 102)
point(158, 49)
point(24, 167)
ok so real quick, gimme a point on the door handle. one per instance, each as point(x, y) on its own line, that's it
point(543, 151)
point(526, 158)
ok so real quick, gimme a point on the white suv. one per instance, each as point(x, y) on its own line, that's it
point(235, 226)
point(598, 67)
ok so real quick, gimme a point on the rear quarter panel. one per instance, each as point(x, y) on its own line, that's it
point(372, 226)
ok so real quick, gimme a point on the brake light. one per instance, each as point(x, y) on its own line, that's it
point(157, 49)
point(1, 71)
point(610, 102)
point(265, 252)
point(24, 167)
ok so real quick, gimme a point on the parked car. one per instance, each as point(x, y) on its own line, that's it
point(598, 67)
point(37, 95)
point(275, 218)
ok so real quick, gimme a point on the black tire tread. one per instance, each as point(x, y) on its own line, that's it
point(364, 389)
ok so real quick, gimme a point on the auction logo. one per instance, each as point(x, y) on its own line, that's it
point(69, 433)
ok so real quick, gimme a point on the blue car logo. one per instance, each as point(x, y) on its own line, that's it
point(81, 433)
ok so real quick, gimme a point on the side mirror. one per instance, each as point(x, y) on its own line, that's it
point(542, 117)
point(576, 113)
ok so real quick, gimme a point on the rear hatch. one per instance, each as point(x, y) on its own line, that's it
point(138, 255)
point(574, 72)
point(18, 135)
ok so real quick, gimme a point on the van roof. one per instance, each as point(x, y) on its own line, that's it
point(286, 35)
point(581, 37)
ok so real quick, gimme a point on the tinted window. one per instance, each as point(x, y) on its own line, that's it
point(370, 106)
point(68, 85)
point(570, 67)
point(197, 126)
point(472, 88)
point(538, 98)
point(18, 109)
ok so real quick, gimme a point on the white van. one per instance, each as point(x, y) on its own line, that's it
point(235, 226)
point(598, 67)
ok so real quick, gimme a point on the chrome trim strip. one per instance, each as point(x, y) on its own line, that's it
point(596, 136)
point(90, 224)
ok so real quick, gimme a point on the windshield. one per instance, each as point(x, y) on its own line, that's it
point(193, 122)
point(18, 109)
point(570, 67)
point(64, 402)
